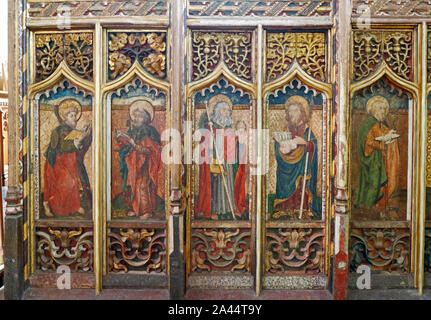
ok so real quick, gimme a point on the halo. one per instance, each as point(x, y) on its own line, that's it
point(301, 101)
point(375, 99)
point(65, 106)
point(142, 105)
point(216, 99)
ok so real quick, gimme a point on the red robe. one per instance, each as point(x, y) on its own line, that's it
point(143, 176)
point(62, 185)
point(203, 204)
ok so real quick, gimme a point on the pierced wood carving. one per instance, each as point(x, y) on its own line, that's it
point(295, 250)
point(383, 249)
point(209, 49)
point(221, 250)
point(371, 48)
point(149, 48)
point(141, 250)
point(74, 48)
point(71, 247)
point(309, 49)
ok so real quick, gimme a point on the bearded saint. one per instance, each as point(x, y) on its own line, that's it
point(140, 161)
point(222, 173)
point(379, 157)
point(291, 156)
point(66, 180)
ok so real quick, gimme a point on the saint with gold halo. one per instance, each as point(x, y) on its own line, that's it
point(297, 157)
point(140, 163)
point(379, 157)
point(222, 173)
point(67, 189)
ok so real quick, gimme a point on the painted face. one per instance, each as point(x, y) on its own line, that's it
point(293, 114)
point(225, 111)
point(381, 111)
point(139, 118)
point(70, 119)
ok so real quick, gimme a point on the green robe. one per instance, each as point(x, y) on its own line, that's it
point(372, 176)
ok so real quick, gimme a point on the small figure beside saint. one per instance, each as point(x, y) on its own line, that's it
point(67, 191)
point(379, 157)
point(139, 150)
point(296, 153)
point(222, 173)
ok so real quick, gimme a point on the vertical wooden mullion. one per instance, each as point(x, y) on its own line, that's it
point(422, 145)
point(98, 173)
point(259, 209)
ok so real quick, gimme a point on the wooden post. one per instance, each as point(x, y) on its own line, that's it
point(176, 220)
point(342, 101)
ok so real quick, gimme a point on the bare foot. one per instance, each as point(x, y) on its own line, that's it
point(146, 216)
point(48, 212)
point(214, 217)
point(81, 211)
point(131, 214)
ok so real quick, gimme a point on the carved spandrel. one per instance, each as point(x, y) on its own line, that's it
point(76, 49)
point(148, 48)
point(308, 49)
point(372, 48)
point(209, 49)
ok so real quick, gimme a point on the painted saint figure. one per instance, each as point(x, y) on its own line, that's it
point(222, 174)
point(296, 153)
point(67, 189)
point(140, 161)
point(379, 157)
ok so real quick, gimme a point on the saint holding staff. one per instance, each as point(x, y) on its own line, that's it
point(296, 153)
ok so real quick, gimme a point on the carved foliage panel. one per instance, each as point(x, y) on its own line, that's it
point(308, 49)
point(260, 8)
point(219, 250)
point(148, 48)
point(76, 49)
point(137, 249)
point(72, 247)
point(372, 48)
point(382, 249)
point(209, 49)
point(295, 251)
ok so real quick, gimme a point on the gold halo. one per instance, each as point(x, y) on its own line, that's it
point(375, 99)
point(301, 101)
point(142, 105)
point(65, 107)
point(216, 99)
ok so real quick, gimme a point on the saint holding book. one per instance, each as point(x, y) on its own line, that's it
point(67, 189)
point(140, 162)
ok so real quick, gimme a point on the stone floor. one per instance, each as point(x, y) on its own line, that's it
point(200, 294)
point(393, 294)
point(160, 294)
